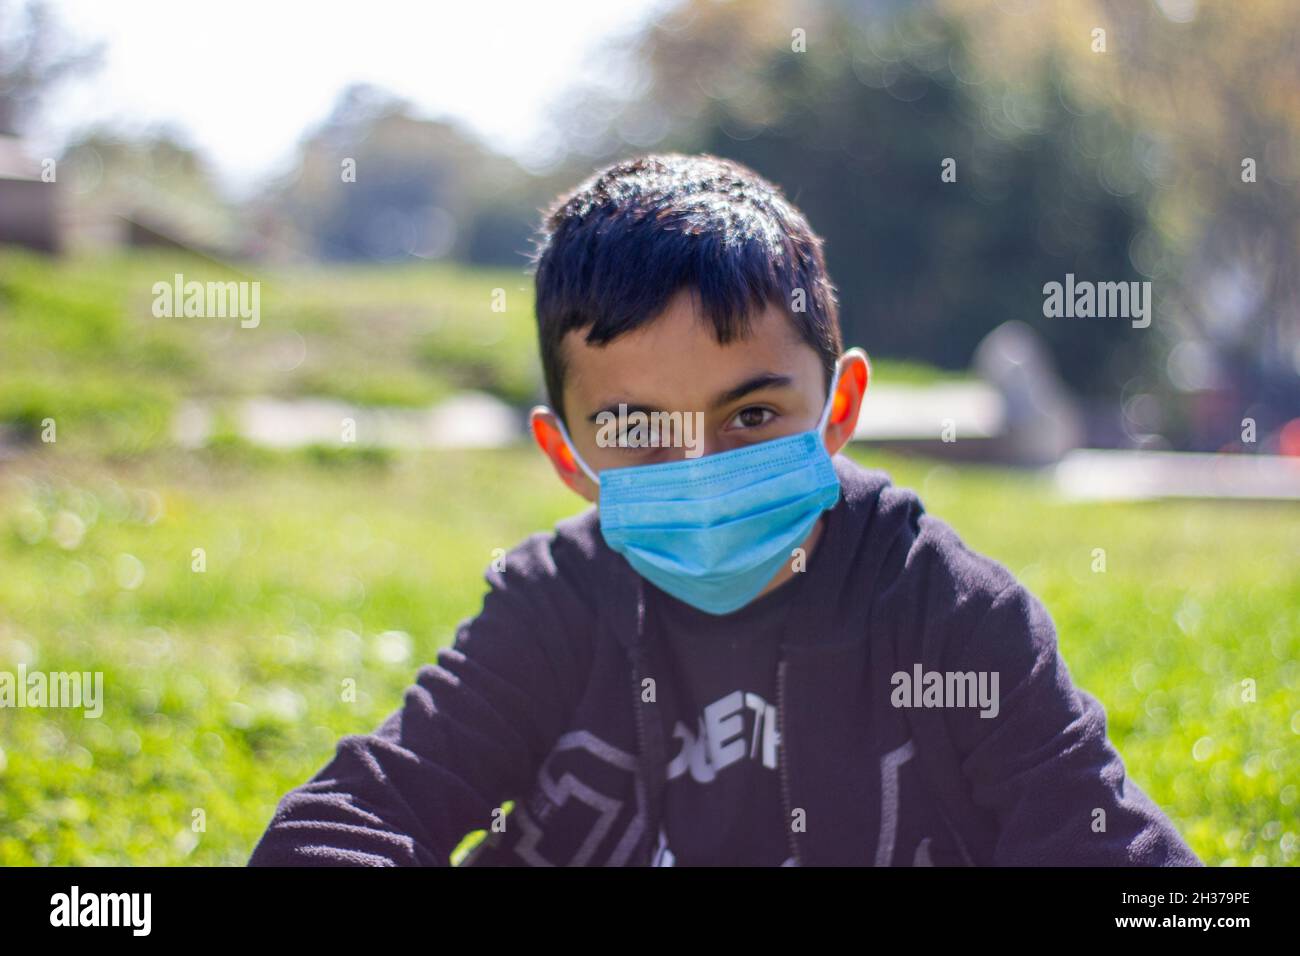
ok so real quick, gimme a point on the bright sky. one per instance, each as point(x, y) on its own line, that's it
point(244, 77)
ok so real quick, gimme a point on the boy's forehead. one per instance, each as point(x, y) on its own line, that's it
point(676, 361)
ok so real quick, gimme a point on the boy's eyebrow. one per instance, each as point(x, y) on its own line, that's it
point(752, 384)
point(613, 410)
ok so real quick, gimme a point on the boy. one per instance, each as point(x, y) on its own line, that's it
point(751, 652)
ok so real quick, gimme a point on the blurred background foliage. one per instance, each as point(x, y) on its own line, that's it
point(1115, 165)
point(1119, 165)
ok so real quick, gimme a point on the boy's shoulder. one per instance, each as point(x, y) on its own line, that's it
point(939, 601)
point(915, 562)
point(565, 563)
point(572, 546)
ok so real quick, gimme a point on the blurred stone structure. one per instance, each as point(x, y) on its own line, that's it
point(1017, 412)
point(29, 214)
point(1042, 422)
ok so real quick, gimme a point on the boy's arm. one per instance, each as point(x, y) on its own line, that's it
point(469, 736)
point(1044, 765)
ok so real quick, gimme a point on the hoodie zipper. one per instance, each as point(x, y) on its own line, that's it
point(652, 825)
point(653, 814)
point(784, 761)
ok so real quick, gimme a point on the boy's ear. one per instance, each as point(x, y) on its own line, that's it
point(545, 427)
point(846, 403)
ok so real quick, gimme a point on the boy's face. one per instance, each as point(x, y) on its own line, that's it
point(766, 385)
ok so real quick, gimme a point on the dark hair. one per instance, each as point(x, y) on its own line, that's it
point(614, 250)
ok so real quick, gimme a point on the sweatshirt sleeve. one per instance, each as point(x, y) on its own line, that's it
point(469, 735)
point(1044, 765)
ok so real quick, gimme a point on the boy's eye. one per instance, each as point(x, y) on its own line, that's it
point(753, 417)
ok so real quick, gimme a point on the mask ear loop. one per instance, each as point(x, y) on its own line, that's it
point(830, 403)
point(573, 451)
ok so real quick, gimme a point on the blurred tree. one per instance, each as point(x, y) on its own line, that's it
point(376, 182)
point(35, 55)
point(1211, 92)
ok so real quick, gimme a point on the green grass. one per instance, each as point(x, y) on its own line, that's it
point(887, 371)
point(81, 344)
point(223, 687)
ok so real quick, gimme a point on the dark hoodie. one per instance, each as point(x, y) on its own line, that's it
point(540, 701)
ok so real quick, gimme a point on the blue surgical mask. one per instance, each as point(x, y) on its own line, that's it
point(713, 531)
